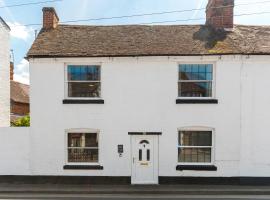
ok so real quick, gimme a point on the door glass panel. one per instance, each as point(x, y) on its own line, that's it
point(148, 154)
point(140, 155)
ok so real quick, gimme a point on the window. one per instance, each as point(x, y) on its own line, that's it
point(82, 147)
point(83, 81)
point(195, 80)
point(195, 146)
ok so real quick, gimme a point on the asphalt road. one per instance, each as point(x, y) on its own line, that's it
point(128, 197)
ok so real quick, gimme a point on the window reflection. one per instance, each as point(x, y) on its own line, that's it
point(83, 81)
point(195, 80)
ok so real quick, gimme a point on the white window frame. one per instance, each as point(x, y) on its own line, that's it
point(197, 128)
point(67, 81)
point(86, 131)
point(213, 79)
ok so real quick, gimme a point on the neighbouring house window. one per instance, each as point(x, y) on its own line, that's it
point(83, 81)
point(195, 80)
point(82, 147)
point(195, 146)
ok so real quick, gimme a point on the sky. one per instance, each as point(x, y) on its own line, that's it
point(23, 36)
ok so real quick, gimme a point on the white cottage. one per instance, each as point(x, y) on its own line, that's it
point(4, 74)
point(151, 104)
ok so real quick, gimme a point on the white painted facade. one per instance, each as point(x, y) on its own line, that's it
point(140, 95)
point(15, 151)
point(4, 75)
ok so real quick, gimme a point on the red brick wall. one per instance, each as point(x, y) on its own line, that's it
point(219, 13)
point(19, 108)
point(50, 18)
point(11, 71)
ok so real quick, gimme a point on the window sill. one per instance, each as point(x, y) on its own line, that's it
point(196, 167)
point(196, 101)
point(89, 167)
point(83, 101)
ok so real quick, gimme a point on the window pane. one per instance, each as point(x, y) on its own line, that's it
point(91, 140)
point(201, 155)
point(83, 73)
point(195, 138)
point(82, 140)
point(196, 72)
point(83, 155)
point(194, 89)
point(84, 89)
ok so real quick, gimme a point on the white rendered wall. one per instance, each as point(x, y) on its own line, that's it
point(255, 135)
point(14, 151)
point(139, 95)
point(4, 77)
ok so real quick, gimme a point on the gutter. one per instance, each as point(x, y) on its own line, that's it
point(141, 55)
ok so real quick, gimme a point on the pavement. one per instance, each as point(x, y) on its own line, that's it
point(132, 192)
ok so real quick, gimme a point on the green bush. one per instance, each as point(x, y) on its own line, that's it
point(22, 122)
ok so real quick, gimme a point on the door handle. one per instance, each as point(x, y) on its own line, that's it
point(133, 160)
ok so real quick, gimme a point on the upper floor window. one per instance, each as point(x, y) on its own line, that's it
point(83, 81)
point(195, 80)
point(195, 146)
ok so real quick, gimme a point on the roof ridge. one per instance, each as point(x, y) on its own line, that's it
point(160, 25)
point(19, 82)
point(245, 25)
point(128, 25)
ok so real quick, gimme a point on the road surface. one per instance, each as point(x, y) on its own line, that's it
point(38, 196)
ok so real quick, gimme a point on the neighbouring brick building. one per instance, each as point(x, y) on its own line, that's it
point(19, 98)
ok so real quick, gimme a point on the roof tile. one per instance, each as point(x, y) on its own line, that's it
point(141, 40)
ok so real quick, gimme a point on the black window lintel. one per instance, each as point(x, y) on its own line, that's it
point(83, 101)
point(196, 101)
point(196, 167)
point(145, 133)
point(89, 167)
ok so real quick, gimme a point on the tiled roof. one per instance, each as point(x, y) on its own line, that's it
point(141, 40)
point(19, 92)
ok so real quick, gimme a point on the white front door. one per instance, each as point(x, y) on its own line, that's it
point(144, 159)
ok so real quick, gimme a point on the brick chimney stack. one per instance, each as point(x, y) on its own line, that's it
point(219, 14)
point(50, 18)
point(11, 70)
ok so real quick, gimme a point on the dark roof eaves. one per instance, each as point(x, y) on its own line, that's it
point(137, 55)
point(5, 24)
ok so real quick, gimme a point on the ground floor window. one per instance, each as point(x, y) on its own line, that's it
point(195, 146)
point(83, 147)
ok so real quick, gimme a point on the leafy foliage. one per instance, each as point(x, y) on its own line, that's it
point(22, 122)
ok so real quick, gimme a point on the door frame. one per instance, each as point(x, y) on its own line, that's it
point(154, 135)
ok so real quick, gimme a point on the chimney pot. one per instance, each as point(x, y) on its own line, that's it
point(219, 14)
point(50, 18)
point(11, 70)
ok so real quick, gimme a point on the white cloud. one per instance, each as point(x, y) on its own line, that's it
point(19, 31)
point(21, 72)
